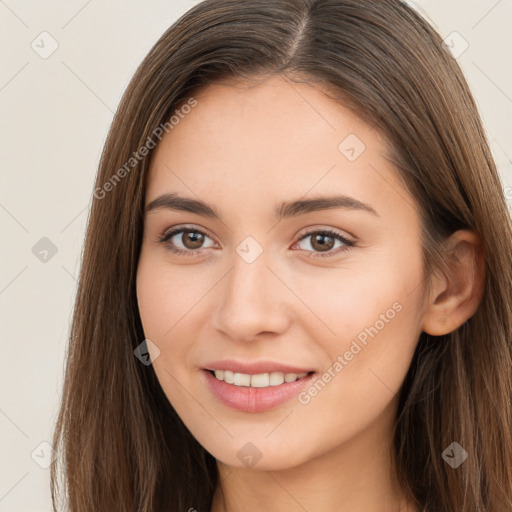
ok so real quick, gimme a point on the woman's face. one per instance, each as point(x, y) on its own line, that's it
point(260, 289)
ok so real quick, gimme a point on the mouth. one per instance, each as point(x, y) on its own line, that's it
point(257, 392)
point(259, 380)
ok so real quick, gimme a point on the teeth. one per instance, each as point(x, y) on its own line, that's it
point(242, 379)
point(261, 380)
point(276, 378)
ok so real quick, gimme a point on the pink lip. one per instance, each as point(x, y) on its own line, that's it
point(254, 368)
point(248, 399)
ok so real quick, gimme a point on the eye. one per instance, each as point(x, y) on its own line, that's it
point(187, 242)
point(190, 242)
point(324, 241)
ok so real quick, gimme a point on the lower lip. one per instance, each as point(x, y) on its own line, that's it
point(249, 399)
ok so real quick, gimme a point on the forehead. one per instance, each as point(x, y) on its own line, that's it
point(273, 140)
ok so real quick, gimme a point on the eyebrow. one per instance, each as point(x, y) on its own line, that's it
point(283, 210)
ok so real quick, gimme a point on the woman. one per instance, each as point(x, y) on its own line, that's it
point(296, 285)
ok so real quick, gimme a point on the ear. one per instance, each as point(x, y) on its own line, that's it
point(456, 294)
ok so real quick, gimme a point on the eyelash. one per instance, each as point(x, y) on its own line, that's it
point(348, 244)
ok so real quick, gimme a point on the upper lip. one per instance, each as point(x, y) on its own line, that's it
point(254, 368)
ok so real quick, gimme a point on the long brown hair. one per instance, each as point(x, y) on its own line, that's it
point(121, 445)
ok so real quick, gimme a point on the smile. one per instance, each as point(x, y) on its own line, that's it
point(252, 393)
point(260, 380)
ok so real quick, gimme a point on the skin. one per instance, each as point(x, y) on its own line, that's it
point(243, 150)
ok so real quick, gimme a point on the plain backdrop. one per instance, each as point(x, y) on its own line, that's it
point(55, 111)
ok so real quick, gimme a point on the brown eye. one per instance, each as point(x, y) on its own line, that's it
point(187, 242)
point(322, 241)
point(192, 239)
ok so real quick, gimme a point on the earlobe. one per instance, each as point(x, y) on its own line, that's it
point(456, 294)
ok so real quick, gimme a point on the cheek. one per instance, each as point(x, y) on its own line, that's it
point(376, 295)
point(170, 300)
point(160, 308)
point(163, 302)
point(366, 364)
point(372, 320)
point(166, 295)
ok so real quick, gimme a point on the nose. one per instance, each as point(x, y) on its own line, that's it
point(252, 300)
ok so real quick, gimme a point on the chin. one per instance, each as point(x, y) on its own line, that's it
point(259, 455)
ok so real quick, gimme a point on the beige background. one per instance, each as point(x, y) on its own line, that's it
point(55, 113)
